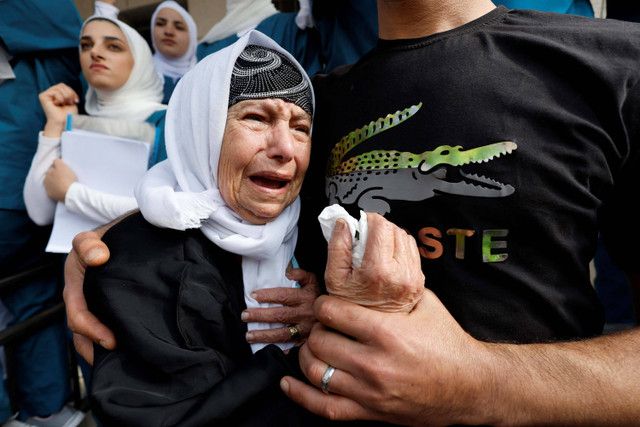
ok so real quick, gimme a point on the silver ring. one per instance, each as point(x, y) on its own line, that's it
point(326, 377)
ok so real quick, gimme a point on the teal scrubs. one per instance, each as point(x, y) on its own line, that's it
point(159, 151)
point(169, 85)
point(42, 39)
point(573, 7)
point(281, 27)
point(348, 29)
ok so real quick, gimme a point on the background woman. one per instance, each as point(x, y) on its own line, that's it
point(174, 36)
point(123, 85)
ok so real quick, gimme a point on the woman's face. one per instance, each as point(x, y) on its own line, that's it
point(170, 33)
point(105, 55)
point(264, 156)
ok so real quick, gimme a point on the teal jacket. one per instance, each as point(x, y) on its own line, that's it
point(42, 39)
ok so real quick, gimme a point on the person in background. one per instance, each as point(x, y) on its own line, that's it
point(174, 36)
point(106, 8)
point(572, 7)
point(348, 29)
point(244, 15)
point(38, 48)
point(123, 85)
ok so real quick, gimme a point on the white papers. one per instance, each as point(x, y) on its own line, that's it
point(103, 162)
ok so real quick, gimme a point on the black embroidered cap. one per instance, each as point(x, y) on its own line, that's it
point(260, 72)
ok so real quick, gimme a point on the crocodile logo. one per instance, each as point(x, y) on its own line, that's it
point(374, 178)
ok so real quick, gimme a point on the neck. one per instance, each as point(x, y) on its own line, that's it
point(407, 19)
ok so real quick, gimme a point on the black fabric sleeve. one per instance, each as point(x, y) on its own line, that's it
point(181, 358)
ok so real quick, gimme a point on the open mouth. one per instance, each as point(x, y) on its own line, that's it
point(274, 184)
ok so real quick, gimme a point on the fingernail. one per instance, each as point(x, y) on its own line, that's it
point(93, 254)
point(284, 385)
point(244, 316)
point(253, 295)
point(249, 337)
point(339, 225)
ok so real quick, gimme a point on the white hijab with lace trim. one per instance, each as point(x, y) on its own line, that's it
point(142, 93)
point(182, 192)
point(176, 68)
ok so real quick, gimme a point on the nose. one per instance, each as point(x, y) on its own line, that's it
point(281, 143)
point(168, 29)
point(96, 52)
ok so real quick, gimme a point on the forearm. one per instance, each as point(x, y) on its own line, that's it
point(97, 205)
point(591, 382)
point(40, 207)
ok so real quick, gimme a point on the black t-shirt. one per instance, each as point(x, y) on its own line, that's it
point(504, 147)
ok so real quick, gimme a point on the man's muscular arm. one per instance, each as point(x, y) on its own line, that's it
point(421, 368)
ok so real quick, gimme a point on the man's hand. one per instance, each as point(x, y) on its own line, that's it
point(58, 179)
point(297, 309)
point(417, 368)
point(390, 278)
point(88, 251)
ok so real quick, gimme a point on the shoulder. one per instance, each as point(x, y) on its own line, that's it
point(134, 240)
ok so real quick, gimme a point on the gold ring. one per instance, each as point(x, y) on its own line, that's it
point(295, 333)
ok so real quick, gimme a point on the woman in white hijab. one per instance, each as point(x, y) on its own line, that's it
point(123, 85)
point(293, 30)
point(174, 36)
point(218, 221)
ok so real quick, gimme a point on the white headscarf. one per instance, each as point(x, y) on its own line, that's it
point(176, 68)
point(242, 15)
point(142, 93)
point(304, 18)
point(182, 191)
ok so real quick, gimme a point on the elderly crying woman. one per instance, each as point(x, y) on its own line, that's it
point(218, 221)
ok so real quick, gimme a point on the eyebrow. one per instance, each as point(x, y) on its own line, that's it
point(175, 21)
point(108, 38)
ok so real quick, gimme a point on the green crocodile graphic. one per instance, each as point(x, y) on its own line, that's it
point(372, 179)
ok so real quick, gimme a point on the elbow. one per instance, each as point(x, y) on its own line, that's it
point(39, 219)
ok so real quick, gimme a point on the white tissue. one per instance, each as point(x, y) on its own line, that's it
point(358, 229)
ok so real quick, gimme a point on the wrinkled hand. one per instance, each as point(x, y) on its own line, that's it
point(57, 102)
point(58, 179)
point(417, 368)
point(296, 310)
point(390, 278)
point(88, 250)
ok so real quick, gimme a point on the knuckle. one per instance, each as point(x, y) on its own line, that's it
point(281, 316)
